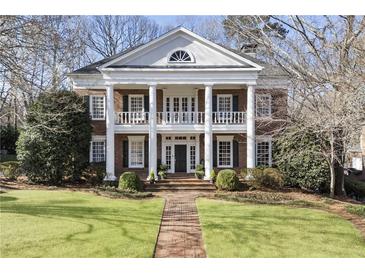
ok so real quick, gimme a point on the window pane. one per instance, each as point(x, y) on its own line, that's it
point(224, 104)
point(136, 153)
point(192, 157)
point(263, 153)
point(97, 107)
point(98, 151)
point(263, 103)
point(224, 153)
point(168, 157)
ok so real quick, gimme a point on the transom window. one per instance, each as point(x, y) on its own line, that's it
point(136, 151)
point(263, 151)
point(263, 105)
point(180, 56)
point(225, 152)
point(97, 150)
point(97, 107)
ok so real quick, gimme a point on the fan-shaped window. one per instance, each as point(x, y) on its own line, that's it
point(180, 56)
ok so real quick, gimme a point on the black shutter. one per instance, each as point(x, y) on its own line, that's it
point(146, 154)
point(214, 153)
point(125, 103)
point(87, 103)
point(214, 103)
point(235, 103)
point(146, 103)
point(235, 154)
point(125, 153)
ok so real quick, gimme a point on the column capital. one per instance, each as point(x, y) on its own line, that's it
point(209, 84)
point(152, 84)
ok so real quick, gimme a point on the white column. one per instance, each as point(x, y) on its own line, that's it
point(251, 142)
point(110, 176)
point(208, 132)
point(152, 143)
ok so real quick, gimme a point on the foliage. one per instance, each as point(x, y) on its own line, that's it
point(162, 174)
point(54, 144)
point(199, 171)
point(130, 181)
point(10, 169)
point(227, 180)
point(83, 224)
point(114, 192)
point(152, 177)
point(95, 173)
point(275, 231)
point(9, 135)
point(355, 188)
point(356, 209)
point(213, 175)
point(162, 171)
point(299, 159)
point(7, 157)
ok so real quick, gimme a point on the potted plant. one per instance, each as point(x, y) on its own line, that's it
point(152, 178)
point(162, 171)
point(199, 172)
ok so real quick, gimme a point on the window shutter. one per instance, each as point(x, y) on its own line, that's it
point(125, 103)
point(87, 103)
point(214, 153)
point(235, 153)
point(235, 103)
point(214, 103)
point(146, 154)
point(146, 103)
point(125, 153)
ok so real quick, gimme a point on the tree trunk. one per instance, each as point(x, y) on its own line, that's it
point(333, 180)
point(339, 180)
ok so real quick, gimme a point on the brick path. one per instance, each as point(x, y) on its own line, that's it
point(180, 233)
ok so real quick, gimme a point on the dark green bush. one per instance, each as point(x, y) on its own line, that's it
point(95, 173)
point(355, 188)
point(130, 181)
point(10, 169)
point(227, 180)
point(9, 135)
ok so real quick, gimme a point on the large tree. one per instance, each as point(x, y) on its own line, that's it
point(324, 57)
point(55, 139)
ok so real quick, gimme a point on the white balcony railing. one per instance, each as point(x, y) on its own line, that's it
point(180, 118)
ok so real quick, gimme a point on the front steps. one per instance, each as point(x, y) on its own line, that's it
point(176, 184)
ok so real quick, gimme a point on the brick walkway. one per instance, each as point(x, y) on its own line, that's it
point(180, 233)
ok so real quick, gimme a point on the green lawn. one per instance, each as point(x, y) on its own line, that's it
point(244, 230)
point(38, 223)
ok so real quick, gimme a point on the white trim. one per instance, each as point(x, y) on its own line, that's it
point(264, 138)
point(225, 138)
point(230, 96)
point(91, 110)
point(131, 139)
point(270, 104)
point(97, 138)
point(187, 33)
point(192, 57)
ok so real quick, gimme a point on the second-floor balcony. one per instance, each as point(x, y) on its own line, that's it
point(181, 118)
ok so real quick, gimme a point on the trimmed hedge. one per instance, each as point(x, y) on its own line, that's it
point(269, 177)
point(130, 181)
point(227, 180)
point(355, 188)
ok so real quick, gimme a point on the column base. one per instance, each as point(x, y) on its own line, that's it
point(110, 178)
point(207, 178)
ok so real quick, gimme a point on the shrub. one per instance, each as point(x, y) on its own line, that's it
point(163, 167)
point(272, 177)
point(199, 171)
point(10, 169)
point(162, 171)
point(227, 180)
point(55, 140)
point(355, 188)
point(9, 135)
point(299, 159)
point(95, 173)
point(130, 181)
point(213, 175)
point(356, 209)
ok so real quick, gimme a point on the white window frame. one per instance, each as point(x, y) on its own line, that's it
point(135, 139)
point(258, 95)
point(180, 62)
point(92, 109)
point(225, 138)
point(130, 96)
point(97, 138)
point(225, 96)
point(264, 138)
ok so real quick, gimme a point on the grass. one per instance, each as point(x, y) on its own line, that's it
point(356, 209)
point(245, 230)
point(37, 223)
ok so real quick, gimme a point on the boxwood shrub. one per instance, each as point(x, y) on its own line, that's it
point(227, 180)
point(130, 181)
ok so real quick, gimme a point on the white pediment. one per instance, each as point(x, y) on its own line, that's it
point(204, 53)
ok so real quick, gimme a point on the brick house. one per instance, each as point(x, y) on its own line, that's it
point(180, 100)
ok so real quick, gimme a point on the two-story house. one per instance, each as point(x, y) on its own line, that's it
point(179, 100)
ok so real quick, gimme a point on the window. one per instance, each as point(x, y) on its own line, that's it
point(180, 56)
point(263, 151)
point(263, 105)
point(97, 149)
point(168, 157)
point(97, 107)
point(224, 103)
point(136, 103)
point(136, 151)
point(192, 158)
point(225, 152)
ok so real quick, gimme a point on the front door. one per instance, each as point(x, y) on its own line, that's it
point(180, 158)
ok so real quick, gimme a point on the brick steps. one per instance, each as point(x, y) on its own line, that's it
point(174, 185)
